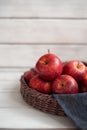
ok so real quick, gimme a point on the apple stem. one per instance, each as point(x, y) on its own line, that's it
point(48, 50)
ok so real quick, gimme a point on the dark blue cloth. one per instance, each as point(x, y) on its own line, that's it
point(75, 107)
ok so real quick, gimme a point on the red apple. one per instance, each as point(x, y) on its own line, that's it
point(40, 85)
point(29, 74)
point(83, 83)
point(75, 68)
point(84, 79)
point(49, 66)
point(65, 84)
point(83, 88)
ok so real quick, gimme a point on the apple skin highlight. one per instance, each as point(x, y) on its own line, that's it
point(75, 68)
point(49, 66)
point(40, 85)
point(65, 84)
point(51, 75)
point(29, 74)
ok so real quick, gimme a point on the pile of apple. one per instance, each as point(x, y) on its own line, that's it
point(51, 75)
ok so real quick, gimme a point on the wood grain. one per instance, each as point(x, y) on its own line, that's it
point(43, 31)
point(32, 119)
point(28, 28)
point(26, 56)
point(12, 100)
point(43, 9)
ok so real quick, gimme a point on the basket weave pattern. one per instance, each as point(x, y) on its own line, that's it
point(43, 102)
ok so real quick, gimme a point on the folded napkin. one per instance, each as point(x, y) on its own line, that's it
point(75, 107)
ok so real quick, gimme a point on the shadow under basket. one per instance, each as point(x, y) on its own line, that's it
point(43, 102)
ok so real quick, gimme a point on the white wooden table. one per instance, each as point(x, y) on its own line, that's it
point(28, 28)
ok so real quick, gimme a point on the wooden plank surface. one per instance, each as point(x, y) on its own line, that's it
point(15, 113)
point(11, 100)
point(26, 56)
point(43, 31)
point(28, 28)
point(25, 118)
point(43, 9)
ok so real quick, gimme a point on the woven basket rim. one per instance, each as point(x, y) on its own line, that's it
point(41, 101)
point(44, 102)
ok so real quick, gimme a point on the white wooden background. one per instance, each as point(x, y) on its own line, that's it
point(28, 28)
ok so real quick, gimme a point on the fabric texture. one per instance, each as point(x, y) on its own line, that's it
point(75, 107)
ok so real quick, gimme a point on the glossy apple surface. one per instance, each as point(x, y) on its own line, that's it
point(40, 85)
point(49, 66)
point(65, 84)
point(29, 74)
point(83, 83)
point(84, 79)
point(75, 68)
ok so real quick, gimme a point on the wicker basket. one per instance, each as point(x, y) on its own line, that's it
point(43, 102)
